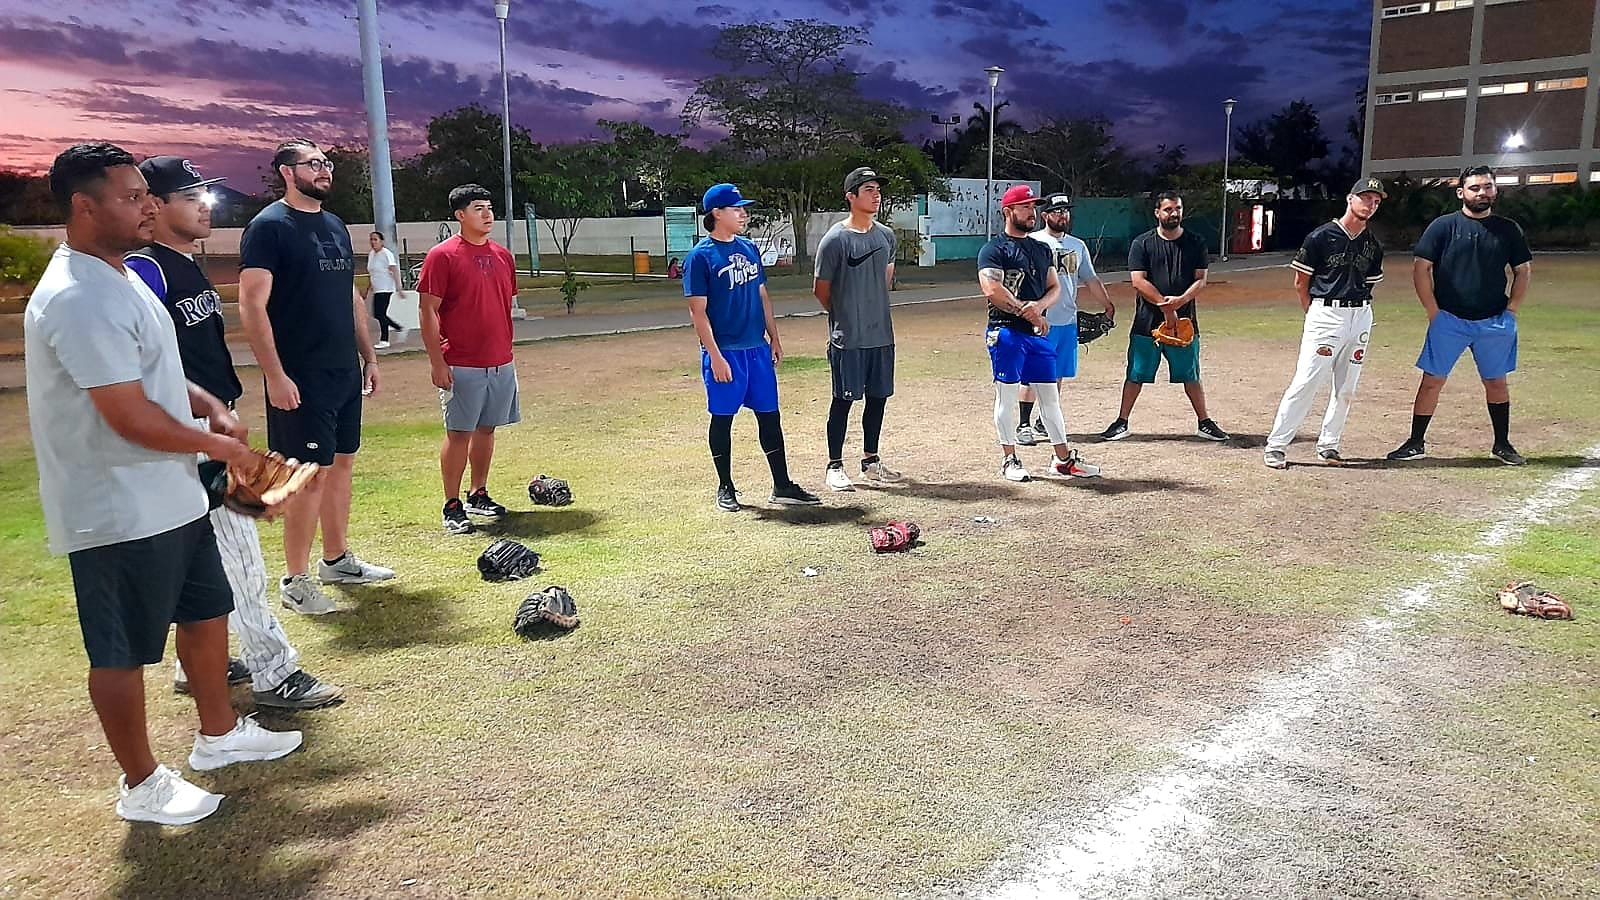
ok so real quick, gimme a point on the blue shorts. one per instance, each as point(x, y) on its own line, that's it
point(754, 384)
point(1018, 357)
point(1493, 342)
point(1064, 338)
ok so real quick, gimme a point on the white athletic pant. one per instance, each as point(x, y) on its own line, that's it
point(1333, 346)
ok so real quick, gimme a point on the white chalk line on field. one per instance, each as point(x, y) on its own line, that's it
point(1128, 837)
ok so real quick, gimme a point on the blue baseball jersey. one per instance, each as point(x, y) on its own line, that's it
point(729, 275)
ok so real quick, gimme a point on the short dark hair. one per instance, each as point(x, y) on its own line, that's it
point(378, 235)
point(468, 194)
point(81, 168)
point(1168, 195)
point(288, 152)
point(1473, 172)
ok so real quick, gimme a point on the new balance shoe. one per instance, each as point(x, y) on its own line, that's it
point(792, 494)
point(301, 594)
point(1210, 430)
point(479, 503)
point(1508, 455)
point(836, 479)
point(875, 470)
point(351, 569)
point(1116, 431)
point(728, 499)
point(1276, 459)
point(1013, 469)
point(1331, 457)
point(1409, 450)
point(455, 517)
point(238, 673)
point(165, 798)
point(1025, 435)
point(1074, 466)
point(302, 690)
point(247, 742)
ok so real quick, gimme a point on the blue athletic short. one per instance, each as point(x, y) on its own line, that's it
point(1493, 342)
point(1018, 357)
point(1064, 338)
point(754, 384)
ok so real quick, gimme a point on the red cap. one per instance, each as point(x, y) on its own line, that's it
point(1018, 195)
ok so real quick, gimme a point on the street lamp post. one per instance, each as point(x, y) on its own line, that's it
point(502, 8)
point(382, 173)
point(941, 120)
point(988, 216)
point(1227, 151)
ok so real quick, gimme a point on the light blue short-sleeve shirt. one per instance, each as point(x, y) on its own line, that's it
point(88, 325)
point(1073, 268)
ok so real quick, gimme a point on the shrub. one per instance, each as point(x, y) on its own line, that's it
point(22, 259)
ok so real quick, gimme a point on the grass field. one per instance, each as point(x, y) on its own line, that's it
point(722, 725)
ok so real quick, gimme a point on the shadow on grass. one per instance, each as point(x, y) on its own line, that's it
point(1461, 462)
point(539, 523)
point(1113, 486)
point(386, 616)
point(1235, 439)
point(959, 491)
point(810, 515)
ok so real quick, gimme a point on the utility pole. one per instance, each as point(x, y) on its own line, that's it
point(377, 121)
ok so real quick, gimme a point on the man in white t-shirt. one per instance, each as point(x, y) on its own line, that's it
point(383, 276)
point(1074, 269)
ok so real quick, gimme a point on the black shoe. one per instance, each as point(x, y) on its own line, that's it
point(455, 517)
point(1409, 450)
point(238, 673)
point(301, 690)
point(1508, 455)
point(1038, 427)
point(1116, 431)
point(479, 503)
point(792, 494)
point(1331, 457)
point(728, 499)
point(1211, 431)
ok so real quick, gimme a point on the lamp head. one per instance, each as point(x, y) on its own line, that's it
point(1227, 106)
point(502, 8)
point(994, 75)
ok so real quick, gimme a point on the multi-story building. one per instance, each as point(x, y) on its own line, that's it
point(1507, 83)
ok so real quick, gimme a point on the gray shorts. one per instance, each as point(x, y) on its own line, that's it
point(481, 398)
point(863, 372)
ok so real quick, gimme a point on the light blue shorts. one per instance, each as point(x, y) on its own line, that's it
point(1493, 342)
point(1065, 339)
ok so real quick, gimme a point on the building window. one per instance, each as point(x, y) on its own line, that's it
point(1442, 94)
point(1507, 179)
point(1594, 177)
point(1412, 9)
point(1553, 178)
point(1447, 5)
point(1391, 99)
point(1514, 87)
point(1562, 84)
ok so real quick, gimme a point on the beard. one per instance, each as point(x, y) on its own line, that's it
point(311, 189)
point(1171, 224)
point(1482, 204)
point(1022, 221)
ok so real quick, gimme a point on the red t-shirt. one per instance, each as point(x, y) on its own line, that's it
point(475, 284)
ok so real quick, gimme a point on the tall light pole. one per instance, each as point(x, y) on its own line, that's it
point(988, 214)
point(1227, 151)
point(502, 8)
point(382, 173)
point(941, 120)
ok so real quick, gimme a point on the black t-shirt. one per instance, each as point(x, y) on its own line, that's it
point(1171, 266)
point(1469, 259)
point(1025, 265)
point(313, 274)
point(196, 310)
point(1341, 267)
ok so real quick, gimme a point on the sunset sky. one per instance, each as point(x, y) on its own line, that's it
point(223, 86)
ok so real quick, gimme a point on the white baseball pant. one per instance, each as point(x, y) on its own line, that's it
point(1333, 346)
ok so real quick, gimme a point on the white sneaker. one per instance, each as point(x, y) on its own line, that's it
point(247, 742)
point(301, 594)
point(877, 471)
point(1013, 470)
point(1276, 459)
point(351, 569)
point(837, 480)
point(1074, 466)
point(381, 345)
point(1025, 436)
point(165, 798)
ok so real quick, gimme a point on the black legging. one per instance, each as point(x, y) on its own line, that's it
point(770, 428)
point(380, 311)
point(839, 421)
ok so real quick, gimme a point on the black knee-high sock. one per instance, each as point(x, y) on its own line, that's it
point(1500, 416)
point(838, 421)
point(1026, 408)
point(1419, 428)
point(770, 428)
point(721, 440)
point(872, 426)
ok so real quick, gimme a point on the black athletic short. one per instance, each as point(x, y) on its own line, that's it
point(863, 372)
point(130, 593)
point(328, 420)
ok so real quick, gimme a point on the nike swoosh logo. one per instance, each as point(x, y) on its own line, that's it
point(854, 261)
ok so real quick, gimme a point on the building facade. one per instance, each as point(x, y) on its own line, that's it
point(1506, 83)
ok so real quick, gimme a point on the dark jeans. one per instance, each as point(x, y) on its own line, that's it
point(380, 311)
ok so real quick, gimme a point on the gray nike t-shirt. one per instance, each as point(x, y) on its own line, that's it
point(856, 266)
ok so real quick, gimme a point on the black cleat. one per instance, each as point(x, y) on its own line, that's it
point(1408, 450)
point(1508, 455)
point(455, 518)
point(728, 499)
point(1211, 431)
point(1116, 431)
point(792, 494)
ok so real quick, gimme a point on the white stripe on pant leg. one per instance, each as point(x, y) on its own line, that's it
point(1311, 370)
point(1346, 374)
point(262, 643)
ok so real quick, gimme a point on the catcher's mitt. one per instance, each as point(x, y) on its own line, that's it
point(547, 491)
point(1528, 599)
point(507, 560)
point(1169, 334)
point(893, 537)
point(1093, 325)
point(254, 489)
point(549, 613)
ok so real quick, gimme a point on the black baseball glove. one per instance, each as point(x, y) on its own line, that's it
point(507, 560)
point(549, 613)
point(547, 491)
point(1093, 326)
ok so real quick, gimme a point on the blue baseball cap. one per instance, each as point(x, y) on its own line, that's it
point(721, 195)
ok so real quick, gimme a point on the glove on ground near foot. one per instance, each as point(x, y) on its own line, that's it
point(507, 560)
point(547, 491)
point(549, 613)
point(1528, 599)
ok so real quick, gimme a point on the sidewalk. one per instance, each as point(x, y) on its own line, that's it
point(12, 374)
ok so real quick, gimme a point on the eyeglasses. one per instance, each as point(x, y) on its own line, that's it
point(317, 165)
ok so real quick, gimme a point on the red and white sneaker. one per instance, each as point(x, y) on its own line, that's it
point(1074, 466)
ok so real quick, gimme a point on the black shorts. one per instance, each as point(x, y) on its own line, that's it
point(328, 420)
point(130, 593)
point(862, 372)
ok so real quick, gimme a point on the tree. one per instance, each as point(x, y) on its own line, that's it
point(1079, 156)
point(26, 200)
point(351, 199)
point(464, 146)
point(643, 155)
point(569, 183)
point(1287, 142)
point(1169, 168)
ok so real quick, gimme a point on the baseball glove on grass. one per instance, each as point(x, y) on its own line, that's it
point(549, 613)
point(893, 537)
point(259, 487)
point(1174, 334)
point(507, 560)
point(1528, 599)
point(547, 491)
point(1093, 325)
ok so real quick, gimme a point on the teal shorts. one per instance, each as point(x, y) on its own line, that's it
point(1145, 355)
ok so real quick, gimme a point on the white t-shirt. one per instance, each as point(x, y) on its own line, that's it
point(1073, 268)
point(378, 271)
point(87, 326)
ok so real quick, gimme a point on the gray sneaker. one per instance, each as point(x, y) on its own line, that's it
point(1025, 435)
point(352, 569)
point(301, 690)
point(301, 594)
point(1277, 459)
